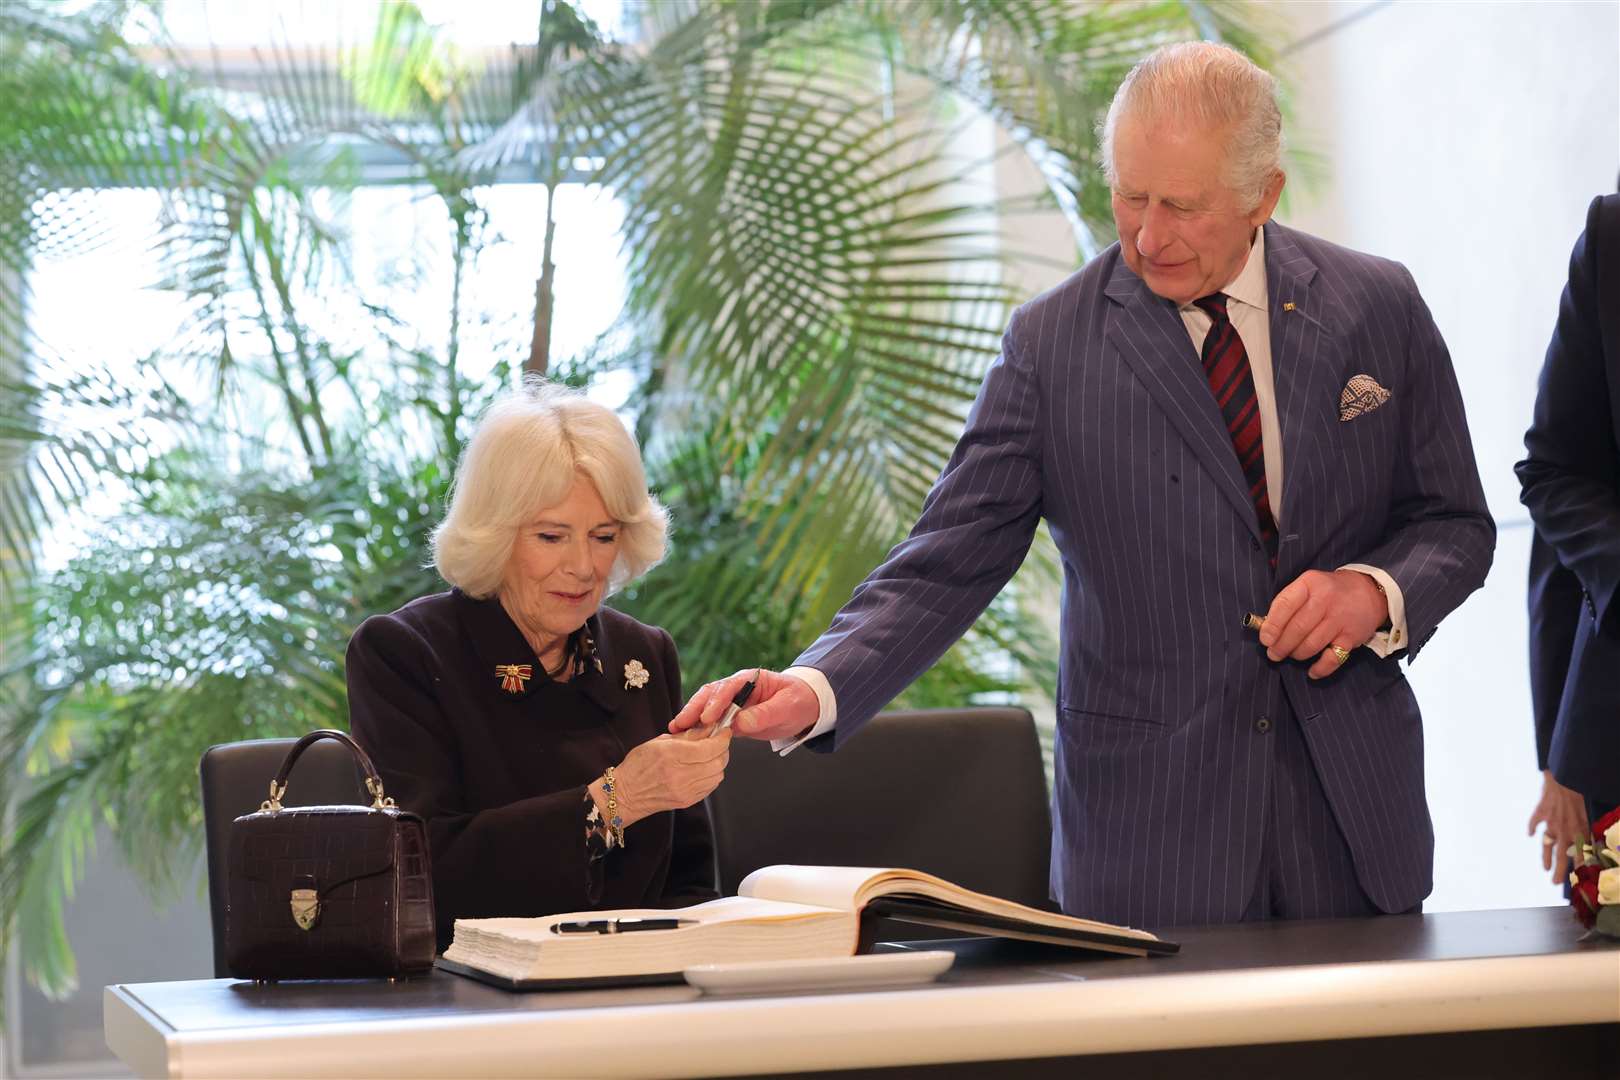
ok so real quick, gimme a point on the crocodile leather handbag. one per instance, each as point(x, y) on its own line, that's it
point(328, 892)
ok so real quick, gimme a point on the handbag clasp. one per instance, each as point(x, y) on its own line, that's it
point(306, 907)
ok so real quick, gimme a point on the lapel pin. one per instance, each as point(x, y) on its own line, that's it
point(514, 676)
point(1289, 306)
point(635, 676)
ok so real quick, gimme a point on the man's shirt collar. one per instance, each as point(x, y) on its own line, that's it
point(1249, 287)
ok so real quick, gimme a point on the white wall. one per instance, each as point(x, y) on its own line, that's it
point(1465, 140)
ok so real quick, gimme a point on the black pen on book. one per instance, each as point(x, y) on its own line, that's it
point(735, 707)
point(619, 926)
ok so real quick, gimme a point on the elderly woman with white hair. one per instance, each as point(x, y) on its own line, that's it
point(524, 721)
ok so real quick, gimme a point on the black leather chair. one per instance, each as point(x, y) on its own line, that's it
point(236, 779)
point(959, 793)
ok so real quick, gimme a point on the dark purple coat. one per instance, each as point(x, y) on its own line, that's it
point(500, 776)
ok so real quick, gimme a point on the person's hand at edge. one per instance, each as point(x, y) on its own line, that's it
point(781, 706)
point(1563, 813)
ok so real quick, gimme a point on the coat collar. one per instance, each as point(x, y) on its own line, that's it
point(1250, 286)
point(499, 646)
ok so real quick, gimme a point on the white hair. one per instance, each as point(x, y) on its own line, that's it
point(526, 452)
point(1214, 86)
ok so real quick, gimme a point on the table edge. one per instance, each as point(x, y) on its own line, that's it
point(929, 1026)
point(136, 1034)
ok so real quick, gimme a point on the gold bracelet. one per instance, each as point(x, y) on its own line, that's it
point(615, 823)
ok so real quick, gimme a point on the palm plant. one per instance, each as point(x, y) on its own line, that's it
point(815, 288)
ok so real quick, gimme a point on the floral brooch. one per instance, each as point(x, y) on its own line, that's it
point(635, 676)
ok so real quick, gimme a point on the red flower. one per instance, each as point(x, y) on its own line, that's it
point(1602, 824)
point(1583, 894)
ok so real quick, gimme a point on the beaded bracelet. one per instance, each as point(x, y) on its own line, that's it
point(615, 823)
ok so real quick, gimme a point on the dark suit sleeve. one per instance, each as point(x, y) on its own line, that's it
point(691, 862)
point(1568, 477)
point(974, 531)
point(525, 857)
point(1439, 536)
point(1555, 608)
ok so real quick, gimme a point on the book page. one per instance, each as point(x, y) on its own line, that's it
point(917, 883)
point(852, 887)
point(841, 887)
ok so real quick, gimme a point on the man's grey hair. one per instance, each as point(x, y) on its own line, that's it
point(525, 454)
point(1214, 86)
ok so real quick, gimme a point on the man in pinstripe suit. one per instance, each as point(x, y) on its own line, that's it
point(1217, 415)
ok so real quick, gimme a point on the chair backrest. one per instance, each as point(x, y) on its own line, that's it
point(960, 793)
point(236, 779)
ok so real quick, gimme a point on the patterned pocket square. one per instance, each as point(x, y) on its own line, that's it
point(1361, 394)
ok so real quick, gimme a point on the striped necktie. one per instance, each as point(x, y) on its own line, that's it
point(1226, 365)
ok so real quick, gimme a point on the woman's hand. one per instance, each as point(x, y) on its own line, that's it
point(670, 772)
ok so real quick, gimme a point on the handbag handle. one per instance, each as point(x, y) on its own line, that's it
point(374, 785)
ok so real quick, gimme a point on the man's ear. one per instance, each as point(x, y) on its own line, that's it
point(1268, 200)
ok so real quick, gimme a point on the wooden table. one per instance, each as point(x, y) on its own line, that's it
point(1489, 993)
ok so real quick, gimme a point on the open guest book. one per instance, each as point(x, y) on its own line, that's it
point(780, 913)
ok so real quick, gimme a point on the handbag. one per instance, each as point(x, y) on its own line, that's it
point(327, 892)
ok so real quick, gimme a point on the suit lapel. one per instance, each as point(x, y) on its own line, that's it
point(1305, 364)
point(1148, 331)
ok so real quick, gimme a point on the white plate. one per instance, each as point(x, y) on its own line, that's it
point(867, 972)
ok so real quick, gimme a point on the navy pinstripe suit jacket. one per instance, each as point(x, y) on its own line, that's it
point(1571, 483)
point(1097, 416)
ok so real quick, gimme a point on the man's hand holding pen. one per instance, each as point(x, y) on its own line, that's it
point(1324, 615)
point(738, 700)
point(780, 707)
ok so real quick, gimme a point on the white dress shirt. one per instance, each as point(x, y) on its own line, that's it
point(1247, 308)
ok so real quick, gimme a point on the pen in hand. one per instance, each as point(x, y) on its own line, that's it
point(735, 707)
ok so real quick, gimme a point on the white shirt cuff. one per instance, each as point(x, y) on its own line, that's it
point(828, 705)
point(1393, 640)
